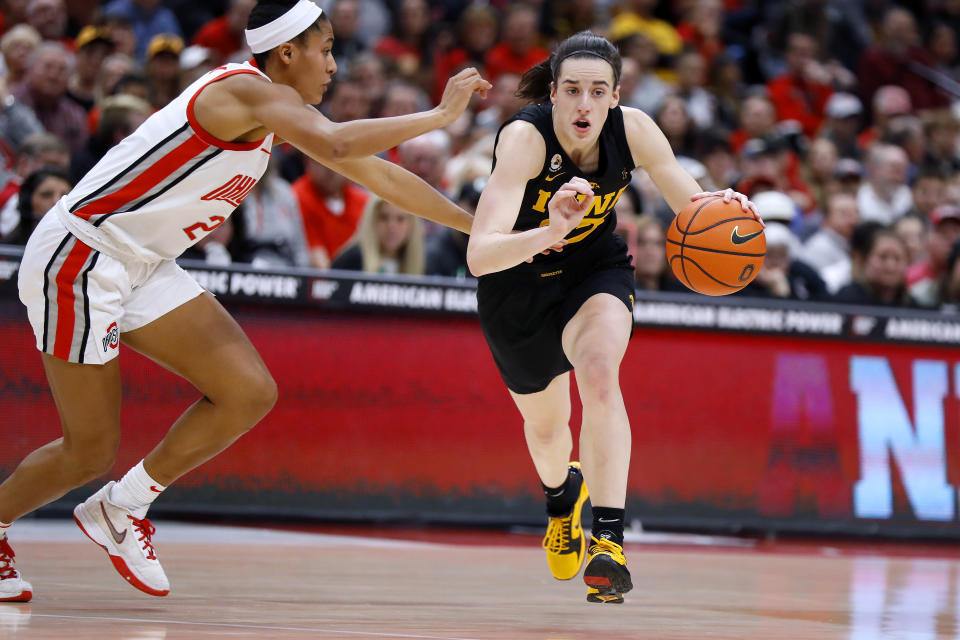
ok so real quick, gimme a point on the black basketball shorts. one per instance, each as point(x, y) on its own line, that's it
point(524, 310)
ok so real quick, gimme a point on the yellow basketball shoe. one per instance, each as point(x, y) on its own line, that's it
point(564, 542)
point(606, 575)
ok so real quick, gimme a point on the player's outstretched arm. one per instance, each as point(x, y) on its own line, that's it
point(280, 109)
point(398, 186)
point(652, 151)
point(494, 246)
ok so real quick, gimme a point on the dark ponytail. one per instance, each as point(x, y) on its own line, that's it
point(536, 81)
point(265, 12)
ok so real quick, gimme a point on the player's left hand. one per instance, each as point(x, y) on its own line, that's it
point(728, 195)
point(557, 246)
point(460, 88)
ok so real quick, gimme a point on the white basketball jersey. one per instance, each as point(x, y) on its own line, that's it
point(166, 185)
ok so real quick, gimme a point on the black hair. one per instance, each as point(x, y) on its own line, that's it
point(864, 237)
point(130, 78)
point(470, 191)
point(536, 81)
point(929, 172)
point(28, 221)
point(266, 11)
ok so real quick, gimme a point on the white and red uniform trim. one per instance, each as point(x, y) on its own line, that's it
point(139, 200)
point(67, 307)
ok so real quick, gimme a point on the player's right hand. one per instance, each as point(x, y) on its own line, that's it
point(458, 91)
point(569, 204)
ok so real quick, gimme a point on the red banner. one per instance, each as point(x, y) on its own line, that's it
point(406, 416)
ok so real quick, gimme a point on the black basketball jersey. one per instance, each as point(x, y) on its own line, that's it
point(609, 181)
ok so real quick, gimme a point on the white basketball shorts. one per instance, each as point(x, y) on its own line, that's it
point(79, 300)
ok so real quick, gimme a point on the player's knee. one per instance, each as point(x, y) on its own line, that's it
point(257, 395)
point(597, 378)
point(546, 431)
point(92, 460)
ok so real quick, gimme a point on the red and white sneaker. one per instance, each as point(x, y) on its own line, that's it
point(126, 540)
point(13, 588)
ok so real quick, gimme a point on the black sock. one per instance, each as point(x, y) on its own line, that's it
point(560, 500)
point(608, 523)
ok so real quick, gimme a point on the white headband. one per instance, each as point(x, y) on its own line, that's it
point(283, 29)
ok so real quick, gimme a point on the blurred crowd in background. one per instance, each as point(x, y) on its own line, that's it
point(839, 118)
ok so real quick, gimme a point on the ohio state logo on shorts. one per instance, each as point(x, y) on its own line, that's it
point(112, 339)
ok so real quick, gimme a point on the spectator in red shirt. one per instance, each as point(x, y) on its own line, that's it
point(409, 45)
point(517, 50)
point(225, 34)
point(701, 29)
point(891, 62)
point(758, 119)
point(477, 34)
point(802, 91)
point(331, 207)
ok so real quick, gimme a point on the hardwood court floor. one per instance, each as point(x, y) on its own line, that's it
point(231, 582)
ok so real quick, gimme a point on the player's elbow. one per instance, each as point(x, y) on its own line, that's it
point(340, 145)
point(475, 261)
point(479, 261)
point(341, 149)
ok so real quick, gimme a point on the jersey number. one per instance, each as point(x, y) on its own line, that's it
point(202, 226)
point(594, 218)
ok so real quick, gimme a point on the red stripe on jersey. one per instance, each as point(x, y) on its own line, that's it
point(147, 180)
point(208, 137)
point(66, 317)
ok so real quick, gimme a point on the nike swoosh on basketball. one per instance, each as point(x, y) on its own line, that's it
point(554, 177)
point(117, 536)
point(736, 238)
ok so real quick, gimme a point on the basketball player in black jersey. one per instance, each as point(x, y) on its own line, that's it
point(560, 165)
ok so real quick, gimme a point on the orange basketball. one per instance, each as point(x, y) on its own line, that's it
point(715, 247)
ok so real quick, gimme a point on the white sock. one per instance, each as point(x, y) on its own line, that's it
point(3, 529)
point(136, 491)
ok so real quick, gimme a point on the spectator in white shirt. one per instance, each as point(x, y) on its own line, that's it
point(831, 244)
point(885, 196)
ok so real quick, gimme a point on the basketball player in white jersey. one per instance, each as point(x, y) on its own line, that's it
point(99, 269)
